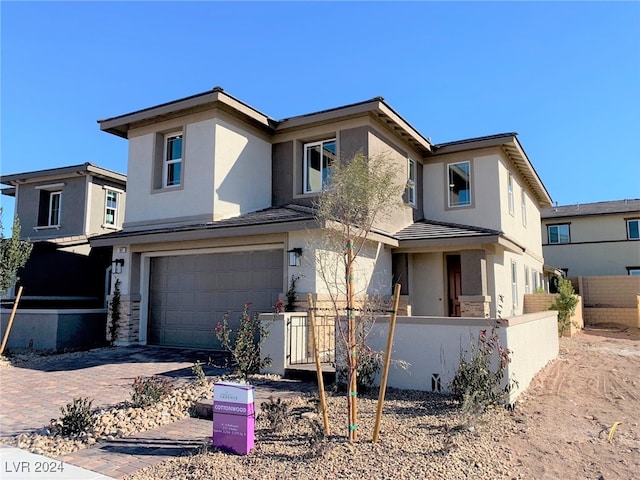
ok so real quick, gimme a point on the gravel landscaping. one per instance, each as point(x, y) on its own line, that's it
point(422, 436)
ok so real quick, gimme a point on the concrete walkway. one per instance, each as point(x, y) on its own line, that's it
point(32, 394)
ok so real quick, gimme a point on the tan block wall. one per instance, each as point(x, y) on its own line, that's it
point(610, 291)
point(629, 317)
point(540, 302)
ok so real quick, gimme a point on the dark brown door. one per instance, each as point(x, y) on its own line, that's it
point(454, 274)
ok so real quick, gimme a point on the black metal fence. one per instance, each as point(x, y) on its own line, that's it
point(300, 341)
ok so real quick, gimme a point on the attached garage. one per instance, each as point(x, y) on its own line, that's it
point(189, 294)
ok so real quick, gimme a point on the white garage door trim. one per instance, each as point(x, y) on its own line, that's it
point(145, 272)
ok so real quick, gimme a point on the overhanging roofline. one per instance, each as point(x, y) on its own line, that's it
point(376, 107)
point(199, 233)
point(513, 149)
point(83, 169)
point(121, 124)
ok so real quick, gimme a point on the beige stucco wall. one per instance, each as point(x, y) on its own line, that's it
point(598, 245)
point(372, 267)
point(226, 171)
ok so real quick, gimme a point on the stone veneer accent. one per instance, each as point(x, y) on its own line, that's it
point(129, 324)
point(475, 306)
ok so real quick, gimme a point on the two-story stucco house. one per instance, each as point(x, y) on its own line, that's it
point(59, 210)
point(220, 204)
point(600, 238)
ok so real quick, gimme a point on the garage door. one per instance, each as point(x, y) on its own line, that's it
point(189, 294)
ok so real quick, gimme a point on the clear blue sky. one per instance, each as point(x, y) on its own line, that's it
point(565, 76)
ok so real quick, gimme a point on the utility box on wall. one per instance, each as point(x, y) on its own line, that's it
point(233, 417)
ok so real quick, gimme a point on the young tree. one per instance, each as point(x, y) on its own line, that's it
point(360, 193)
point(14, 254)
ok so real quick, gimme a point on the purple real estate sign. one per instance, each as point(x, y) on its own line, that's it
point(233, 417)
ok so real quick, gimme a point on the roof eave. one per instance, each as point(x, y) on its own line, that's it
point(121, 124)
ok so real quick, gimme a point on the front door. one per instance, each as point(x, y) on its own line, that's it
point(454, 284)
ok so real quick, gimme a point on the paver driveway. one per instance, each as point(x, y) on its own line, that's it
point(32, 394)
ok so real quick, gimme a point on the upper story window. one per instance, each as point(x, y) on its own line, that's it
point(558, 233)
point(633, 271)
point(633, 229)
point(172, 168)
point(50, 206)
point(459, 181)
point(411, 183)
point(318, 157)
point(510, 191)
point(111, 208)
point(523, 206)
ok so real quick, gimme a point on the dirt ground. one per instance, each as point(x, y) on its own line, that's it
point(564, 420)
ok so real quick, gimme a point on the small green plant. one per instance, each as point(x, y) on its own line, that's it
point(148, 391)
point(276, 413)
point(292, 295)
point(478, 382)
point(368, 366)
point(198, 371)
point(115, 313)
point(565, 304)
point(77, 418)
point(244, 345)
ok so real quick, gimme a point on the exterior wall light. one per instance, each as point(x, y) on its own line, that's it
point(295, 254)
point(118, 263)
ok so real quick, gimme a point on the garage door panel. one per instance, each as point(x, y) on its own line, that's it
point(190, 294)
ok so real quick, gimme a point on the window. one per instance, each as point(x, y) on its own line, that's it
point(523, 205)
point(111, 207)
point(558, 233)
point(172, 168)
point(534, 278)
point(527, 287)
point(510, 190)
point(633, 229)
point(50, 208)
point(318, 157)
point(459, 181)
point(411, 183)
point(633, 270)
point(514, 284)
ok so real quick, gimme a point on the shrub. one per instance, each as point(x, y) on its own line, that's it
point(244, 345)
point(198, 371)
point(148, 391)
point(478, 384)
point(565, 304)
point(276, 413)
point(368, 366)
point(77, 418)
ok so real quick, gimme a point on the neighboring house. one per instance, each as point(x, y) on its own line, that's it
point(220, 208)
point(592, 239)
point(59, 210)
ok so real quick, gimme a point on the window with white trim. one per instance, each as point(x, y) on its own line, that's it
point(172, 165)
point(523, 206)
point(510, 191)
point(534, 278)
point(459, 184)
point(527, 286)
point(558, 233)
point(633, 229)
point(318, 157)
point(411, 182)
point(514, 284)
point(111, 207)
point(50, 208)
